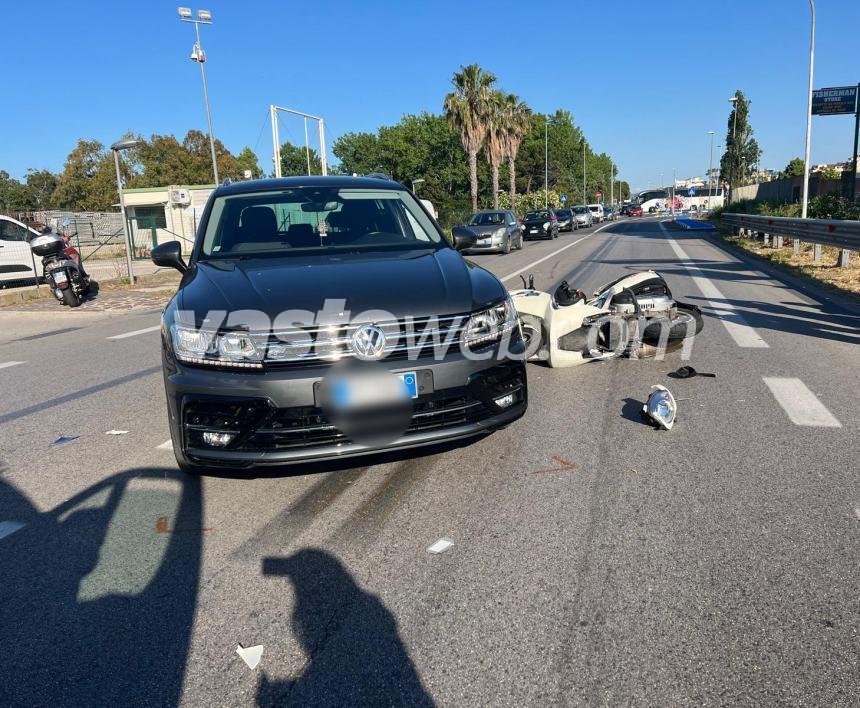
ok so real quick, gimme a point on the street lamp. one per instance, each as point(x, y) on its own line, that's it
point(204, 17)
point(710, 168)
point(420, 180)
point(116, 148)
point(808, 119)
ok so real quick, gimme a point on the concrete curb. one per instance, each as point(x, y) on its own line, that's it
point(19, 296)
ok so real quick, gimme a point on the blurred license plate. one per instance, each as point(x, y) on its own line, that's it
point(410, 383)
point(483, 242)
point(534, 231)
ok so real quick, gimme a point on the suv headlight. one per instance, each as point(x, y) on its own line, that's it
point(196, 346)
point(545, 225)
point(487, 325)
point(498, 233)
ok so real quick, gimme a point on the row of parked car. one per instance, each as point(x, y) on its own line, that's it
point(501, 231)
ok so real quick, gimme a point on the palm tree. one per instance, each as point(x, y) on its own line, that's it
point(466, 108)
point(494, 148)
point(516, 124)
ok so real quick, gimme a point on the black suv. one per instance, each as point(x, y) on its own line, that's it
point(323, 317)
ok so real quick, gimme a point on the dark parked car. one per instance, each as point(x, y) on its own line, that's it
point(540, 223)
point(496, 231)
point(566, 222)
point(326, 317)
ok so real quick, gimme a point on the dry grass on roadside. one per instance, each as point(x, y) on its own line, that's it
point(825, 270)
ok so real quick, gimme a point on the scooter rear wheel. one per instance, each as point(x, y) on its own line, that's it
point(71, 298)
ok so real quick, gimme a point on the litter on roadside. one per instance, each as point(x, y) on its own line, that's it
point(688, 372)
point(116, 432)
point(660, 407)
point(442, 545)
point(63, 439)
point(250, 655)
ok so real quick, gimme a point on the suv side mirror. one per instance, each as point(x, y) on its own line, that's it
point(463, 238)
point(169, 255)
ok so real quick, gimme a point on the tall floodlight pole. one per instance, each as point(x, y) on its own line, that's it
point(808, 112)
point(116, 148)
point(710, 168)
point(323, 158)
point(204, 17)
point(611, 185)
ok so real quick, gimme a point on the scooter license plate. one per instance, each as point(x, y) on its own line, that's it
point(60, 277)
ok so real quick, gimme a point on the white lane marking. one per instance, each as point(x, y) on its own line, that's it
point(136, 332)
point(7, 528)
point(165, 445)
point(554, 253)
point(801, 404)
point(743, 334)
point(7, 364)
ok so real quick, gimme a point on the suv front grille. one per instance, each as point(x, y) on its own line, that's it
point(408, 338)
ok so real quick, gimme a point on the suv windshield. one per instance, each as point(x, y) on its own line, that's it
point(536, 215)
point(580, 210)
point(563, 213)
point(487, 219)
point(308, 220)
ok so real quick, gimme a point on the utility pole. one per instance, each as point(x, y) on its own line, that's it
point(710, 168)
point(734, 154)
point(809, 115)
point(583, 172)
point(546, 164)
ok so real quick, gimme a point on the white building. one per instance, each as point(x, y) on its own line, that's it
point(173, 212)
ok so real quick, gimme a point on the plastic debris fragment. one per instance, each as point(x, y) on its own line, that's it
point(442, 545)
point(63, 439)
point(250, 655)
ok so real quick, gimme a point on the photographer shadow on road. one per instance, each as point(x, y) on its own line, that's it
point(97, 600)
point(355, 653)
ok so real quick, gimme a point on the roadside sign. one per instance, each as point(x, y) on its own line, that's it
point(837, 100)
point(563, 198)
point(692, 192)
point(598, 194)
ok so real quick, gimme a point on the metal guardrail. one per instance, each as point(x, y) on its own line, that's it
point(841, 233)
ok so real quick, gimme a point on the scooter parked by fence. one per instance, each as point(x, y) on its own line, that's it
point(62, 268)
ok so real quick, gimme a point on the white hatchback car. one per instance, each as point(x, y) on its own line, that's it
point(16, 260)
point(597, 212)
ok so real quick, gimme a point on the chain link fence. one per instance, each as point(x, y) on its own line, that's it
point(98, 237)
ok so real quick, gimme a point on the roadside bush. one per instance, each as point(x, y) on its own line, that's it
point(825, 206)
point(531, 200)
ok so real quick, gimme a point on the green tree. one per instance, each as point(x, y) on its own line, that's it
point(294, 160)
point(14, 196)
point(41, 185)
point(516, 125)
point(88, 179)
point(247, 160)
point(494, 146)
point(163, 160)
point(739, 161)
point(466, 108)
point(794, 168)
point(829, 172)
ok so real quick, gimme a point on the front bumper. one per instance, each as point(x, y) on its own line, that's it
point(278, 421)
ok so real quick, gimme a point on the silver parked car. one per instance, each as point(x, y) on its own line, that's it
point(498, 231)
point(583, 215)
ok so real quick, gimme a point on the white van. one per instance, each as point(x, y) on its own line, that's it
point(597, 212)
point(16, 261)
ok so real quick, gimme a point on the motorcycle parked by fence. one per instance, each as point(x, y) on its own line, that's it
point(62, 268)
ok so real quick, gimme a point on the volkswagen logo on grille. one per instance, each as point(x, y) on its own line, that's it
point(368, 342)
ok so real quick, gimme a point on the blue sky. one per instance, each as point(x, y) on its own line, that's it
point(644, 80)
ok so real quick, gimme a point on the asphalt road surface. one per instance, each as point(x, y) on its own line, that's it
point(595, 561)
